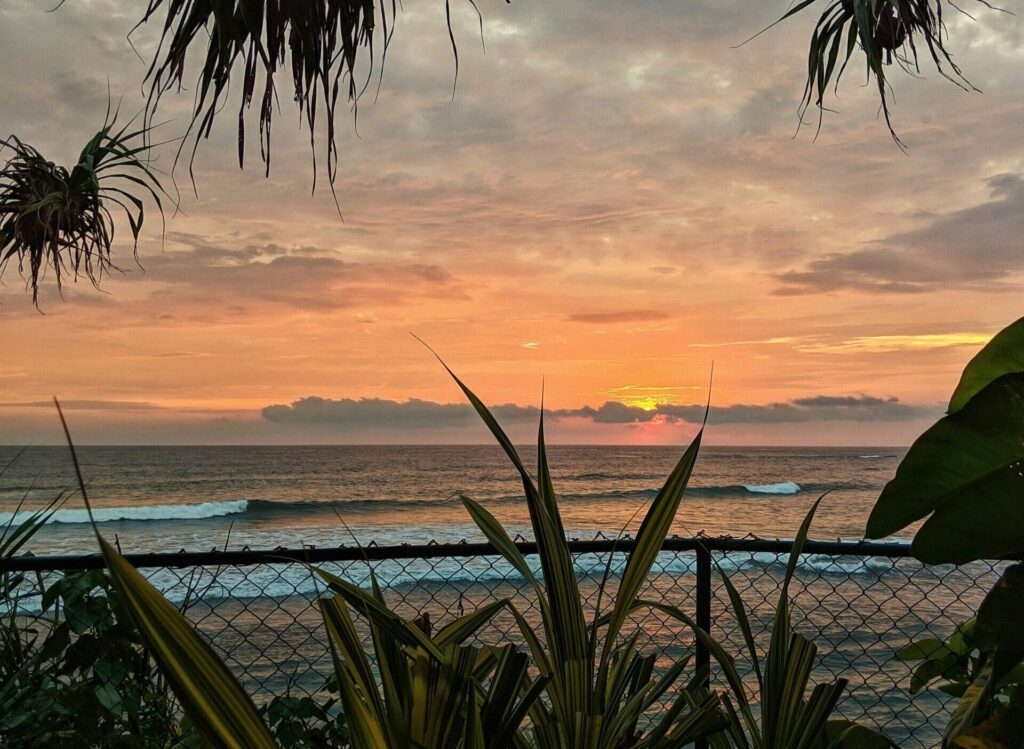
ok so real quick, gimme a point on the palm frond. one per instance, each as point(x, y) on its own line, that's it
point(889, 33)
point(62, 220)
point(327, 45)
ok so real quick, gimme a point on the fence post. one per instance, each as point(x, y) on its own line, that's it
point(703, 657)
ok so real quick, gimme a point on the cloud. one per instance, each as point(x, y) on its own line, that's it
point(610, 318)
point(973, 248)
point(90, 405)
point(882, 344)
point(362, 413)
point(358, 413)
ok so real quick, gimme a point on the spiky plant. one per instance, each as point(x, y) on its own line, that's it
point(59, 219)
point(320, 42)
point(888, 32)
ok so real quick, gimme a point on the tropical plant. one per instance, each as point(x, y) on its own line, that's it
point(78, 676)
point(301, 722)
point(324, 45)
point(887, 32)
point(59, 219)
point(434, 693)
point(599, 686)
point(964, 475)
point(787, 716)
point(950, 665)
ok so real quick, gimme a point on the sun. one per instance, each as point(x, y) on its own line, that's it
point(647, 404)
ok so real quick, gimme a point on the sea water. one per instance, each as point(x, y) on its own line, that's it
point(196, 498)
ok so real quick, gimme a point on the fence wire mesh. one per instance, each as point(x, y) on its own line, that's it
point(860, 603)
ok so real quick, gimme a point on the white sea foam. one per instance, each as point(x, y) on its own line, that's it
point(784, 487)
point(195, 511)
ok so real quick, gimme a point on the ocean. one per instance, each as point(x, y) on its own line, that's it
point(197, 498)
point(148, 499)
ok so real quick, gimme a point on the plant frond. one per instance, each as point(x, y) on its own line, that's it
point(58, 220)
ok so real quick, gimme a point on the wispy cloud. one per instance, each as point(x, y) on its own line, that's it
point(621, 316)
point(881, 344)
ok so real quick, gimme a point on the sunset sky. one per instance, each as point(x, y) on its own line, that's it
point(613, 202)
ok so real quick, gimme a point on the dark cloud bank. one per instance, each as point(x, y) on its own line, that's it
point(352, 413)
point(975, 247)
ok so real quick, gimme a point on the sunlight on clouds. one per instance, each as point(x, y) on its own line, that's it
point(761, 342)
point(646, 397)
point(889, 343)
point(617, 179)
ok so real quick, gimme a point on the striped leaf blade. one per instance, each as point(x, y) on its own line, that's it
point(214, 701)
point(649, 539)
point(209, 694)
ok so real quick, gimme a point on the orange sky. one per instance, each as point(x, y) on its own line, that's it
point(613, 201)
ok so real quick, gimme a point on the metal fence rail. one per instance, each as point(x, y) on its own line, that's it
point(860, 602)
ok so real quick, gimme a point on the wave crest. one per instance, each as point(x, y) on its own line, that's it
point(783, 487)
point(196, 511)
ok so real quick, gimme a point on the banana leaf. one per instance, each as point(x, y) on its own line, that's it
point(964, 474)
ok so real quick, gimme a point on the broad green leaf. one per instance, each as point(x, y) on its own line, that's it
point(925, 649)
point(959, 531)
point(1000, 621)
point(953, 689)
point(962, 641)
point(947, 667)
point(967, 470)
point(1002, 355)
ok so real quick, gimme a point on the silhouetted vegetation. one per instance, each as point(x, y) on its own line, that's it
point(60, 220)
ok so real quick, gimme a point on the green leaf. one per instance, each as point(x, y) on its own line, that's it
point(925, 649)
point(1002, 355)
point(650, 538)
point(947, 667)
point(954, 689)
point(998, 630)
point(845, 734)
point(460, 630)
point(495, 533)
point(966, 469)
point(213, 699)
point(381, 616)
point(972, 705)
point(363, 714)
point(209, 694)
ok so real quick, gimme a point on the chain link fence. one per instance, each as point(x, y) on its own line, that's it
point(860, 603)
